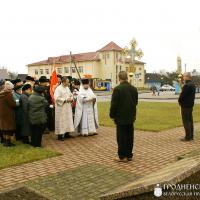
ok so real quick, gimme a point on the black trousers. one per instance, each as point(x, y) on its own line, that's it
point(50, 119)
point(187, 119)
point(18, 135)
point(36, 136)
point(125, 139)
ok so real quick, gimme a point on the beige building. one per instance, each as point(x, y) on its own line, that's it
point(103, 64)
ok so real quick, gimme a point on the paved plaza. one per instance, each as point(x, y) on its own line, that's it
point(86, 169)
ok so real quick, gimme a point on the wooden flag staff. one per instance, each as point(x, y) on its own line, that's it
point(73, 61)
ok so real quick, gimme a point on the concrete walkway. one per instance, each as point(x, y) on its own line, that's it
point(87, 160)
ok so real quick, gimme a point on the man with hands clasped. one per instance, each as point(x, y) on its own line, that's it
point(63, 110)
point(86, 114)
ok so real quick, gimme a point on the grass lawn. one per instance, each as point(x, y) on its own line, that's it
point(11, 156)
point(151, 116)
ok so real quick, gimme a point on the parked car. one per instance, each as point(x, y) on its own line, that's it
point(167, 88)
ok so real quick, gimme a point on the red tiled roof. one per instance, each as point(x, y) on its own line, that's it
point(111, 47)
point(90, 56)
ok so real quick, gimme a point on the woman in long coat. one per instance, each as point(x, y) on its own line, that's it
point(7, 114)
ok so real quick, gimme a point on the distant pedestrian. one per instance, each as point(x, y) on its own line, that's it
point(158, 91)
point(123, 111)
point(186, 101)
point(37, 115)
point(153, 89)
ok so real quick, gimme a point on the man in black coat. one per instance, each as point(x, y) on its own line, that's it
point(186, 101)
point(123, 111)
point(44, 82)
point(25, 124)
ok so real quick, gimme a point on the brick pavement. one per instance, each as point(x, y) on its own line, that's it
point(153, 150)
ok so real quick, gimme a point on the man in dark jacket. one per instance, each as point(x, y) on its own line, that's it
point(25, 128)
point(50, 111)
point(37, 115)
point(123, 111)
point(186, 101)
point(18, 84)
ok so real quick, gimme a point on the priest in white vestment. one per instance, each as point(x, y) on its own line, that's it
point(63, 110)
point(86, 114)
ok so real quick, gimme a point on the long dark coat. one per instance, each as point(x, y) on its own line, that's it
point(7, 112)
point(25, 118)
point(123, 104)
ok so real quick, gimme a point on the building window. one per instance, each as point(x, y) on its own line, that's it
point(140, 68)
point(103, 56)
point(80, 69)
point(120, 56)
point(36, 71)
point(108, 55)
point(66, 70)
point(117, 55)
point(59, 70)
point(47, 71)
point(73, 70)
point(41, 71)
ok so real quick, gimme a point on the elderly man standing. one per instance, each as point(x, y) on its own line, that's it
point(123, 111)
point(63, 110)
point(186, 101)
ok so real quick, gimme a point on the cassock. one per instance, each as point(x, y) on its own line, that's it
point(86, 114)
point(63, 111)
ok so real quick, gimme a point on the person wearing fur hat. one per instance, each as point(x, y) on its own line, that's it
point(50, 111)
point(25, 124)
point(18, 84)
point(30, 80)
point(7, 114)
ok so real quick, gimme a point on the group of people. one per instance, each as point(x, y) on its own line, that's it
point(28, 110)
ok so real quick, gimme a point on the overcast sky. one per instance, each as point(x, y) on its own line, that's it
point(32, 30)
